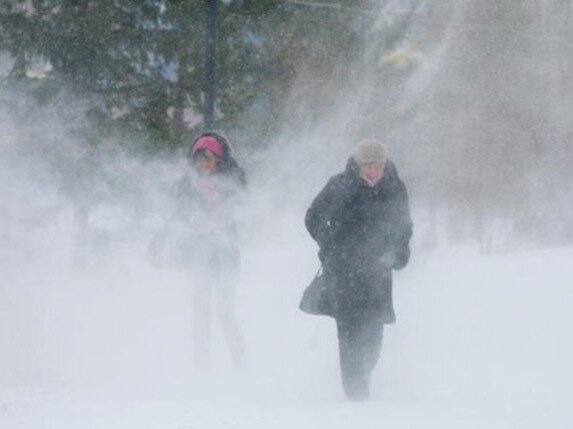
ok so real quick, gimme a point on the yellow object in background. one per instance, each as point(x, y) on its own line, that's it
point(399, 57)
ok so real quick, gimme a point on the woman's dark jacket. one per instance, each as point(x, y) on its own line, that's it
point(206, 206)
point(363, 232)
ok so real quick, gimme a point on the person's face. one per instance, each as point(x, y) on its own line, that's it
point(206, 162)
point(372, 173)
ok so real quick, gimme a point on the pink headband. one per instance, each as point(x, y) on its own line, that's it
point(208, 142)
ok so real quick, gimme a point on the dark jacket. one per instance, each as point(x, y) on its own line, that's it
point(363, 232)
point(206, 208)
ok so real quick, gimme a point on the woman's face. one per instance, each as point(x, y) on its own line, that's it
point(372, 173)
point(206, 162)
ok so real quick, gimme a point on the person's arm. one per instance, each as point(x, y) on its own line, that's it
point(322, 219)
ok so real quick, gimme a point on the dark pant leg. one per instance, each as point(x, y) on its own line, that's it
point(360, 343)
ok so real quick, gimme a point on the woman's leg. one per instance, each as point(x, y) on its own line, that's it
point(201, 319)
point(360, 342)
point(225, 296)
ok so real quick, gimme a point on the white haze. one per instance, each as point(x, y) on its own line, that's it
point(93, 335)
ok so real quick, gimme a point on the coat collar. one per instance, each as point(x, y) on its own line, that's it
point(389, 180)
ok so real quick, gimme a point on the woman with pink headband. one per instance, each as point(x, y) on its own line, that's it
point(207, 199)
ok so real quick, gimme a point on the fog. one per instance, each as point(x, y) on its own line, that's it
point(474, 105)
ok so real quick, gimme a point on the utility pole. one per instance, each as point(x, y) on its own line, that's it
point(210, 63)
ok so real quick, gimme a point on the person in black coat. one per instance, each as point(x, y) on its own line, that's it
point(361, 223)
point(207, 198)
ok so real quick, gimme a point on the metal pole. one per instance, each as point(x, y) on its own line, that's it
point(210, 63)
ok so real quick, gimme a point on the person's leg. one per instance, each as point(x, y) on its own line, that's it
point(353, 373)
point(225, 293)
point(227, 315)
point(201, 319)
point(360, 342)
point(371, 341)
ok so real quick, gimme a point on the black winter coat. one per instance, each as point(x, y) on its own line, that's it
point(363, 232)
point(205, 208)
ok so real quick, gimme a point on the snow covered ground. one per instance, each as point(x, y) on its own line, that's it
point(480, 342)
